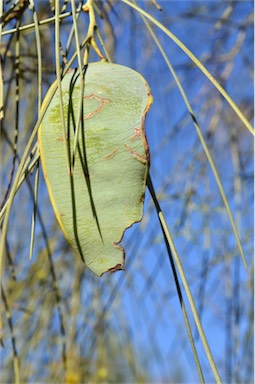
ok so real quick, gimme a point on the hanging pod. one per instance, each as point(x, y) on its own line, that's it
point(103, 194)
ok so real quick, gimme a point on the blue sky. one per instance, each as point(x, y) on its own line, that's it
point(144, 308)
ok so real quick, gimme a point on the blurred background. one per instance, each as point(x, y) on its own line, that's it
point(62, 323)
